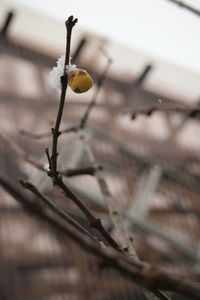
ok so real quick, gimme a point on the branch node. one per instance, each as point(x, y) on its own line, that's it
point(95, 223)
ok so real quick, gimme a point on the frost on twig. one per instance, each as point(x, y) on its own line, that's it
point(57, 73)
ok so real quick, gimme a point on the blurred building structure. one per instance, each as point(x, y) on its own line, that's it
point(151, 162)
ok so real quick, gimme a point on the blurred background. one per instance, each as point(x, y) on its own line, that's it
point(144, 131)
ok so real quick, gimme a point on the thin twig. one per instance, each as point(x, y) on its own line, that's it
point(70, 23)
point(29, 186)
point(56, 177)
point(82, 43)
point(49, 159)
point(84, 118)
point(90, 170)
point(45, 134)
point(7, 24)
point(99, 84)
point(189, 111)
point(19, 151)
point(93, 221)
point(189, 7)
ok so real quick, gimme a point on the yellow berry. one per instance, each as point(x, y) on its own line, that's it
point(79, 80)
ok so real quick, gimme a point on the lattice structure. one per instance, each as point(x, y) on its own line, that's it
point(37, 263)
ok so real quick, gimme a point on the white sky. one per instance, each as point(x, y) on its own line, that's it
point(157, 27)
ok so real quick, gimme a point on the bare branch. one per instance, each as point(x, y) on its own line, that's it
point(145, 275)
point(70, 23)
point(7, 23)
point(96, 92)
point(19, 151)
point(189, 7)
point(189, 111)
point(29, 186)
point(93, 221)
point(56, 177)
point(45, 134)
point(90, 170)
